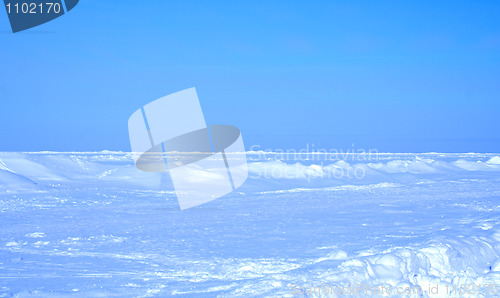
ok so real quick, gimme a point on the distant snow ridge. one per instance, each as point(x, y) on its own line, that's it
point(46, 168)
point(71, 168)
point(10, 180)
point(344, 170)
point(4, 167)
point(334, 188)
point(495, 160)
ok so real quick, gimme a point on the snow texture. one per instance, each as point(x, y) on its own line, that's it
point(90, 224)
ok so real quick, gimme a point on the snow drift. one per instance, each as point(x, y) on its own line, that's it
point(91, 224)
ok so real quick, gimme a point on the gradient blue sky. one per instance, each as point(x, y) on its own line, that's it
point(398, 76)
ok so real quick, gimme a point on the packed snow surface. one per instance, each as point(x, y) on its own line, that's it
point(91, 224)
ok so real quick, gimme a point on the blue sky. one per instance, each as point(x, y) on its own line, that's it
point(398, 76)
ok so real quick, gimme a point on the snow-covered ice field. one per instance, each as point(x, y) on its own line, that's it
point(91, 224)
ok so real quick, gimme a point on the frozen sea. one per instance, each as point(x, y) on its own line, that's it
point(92, 225)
